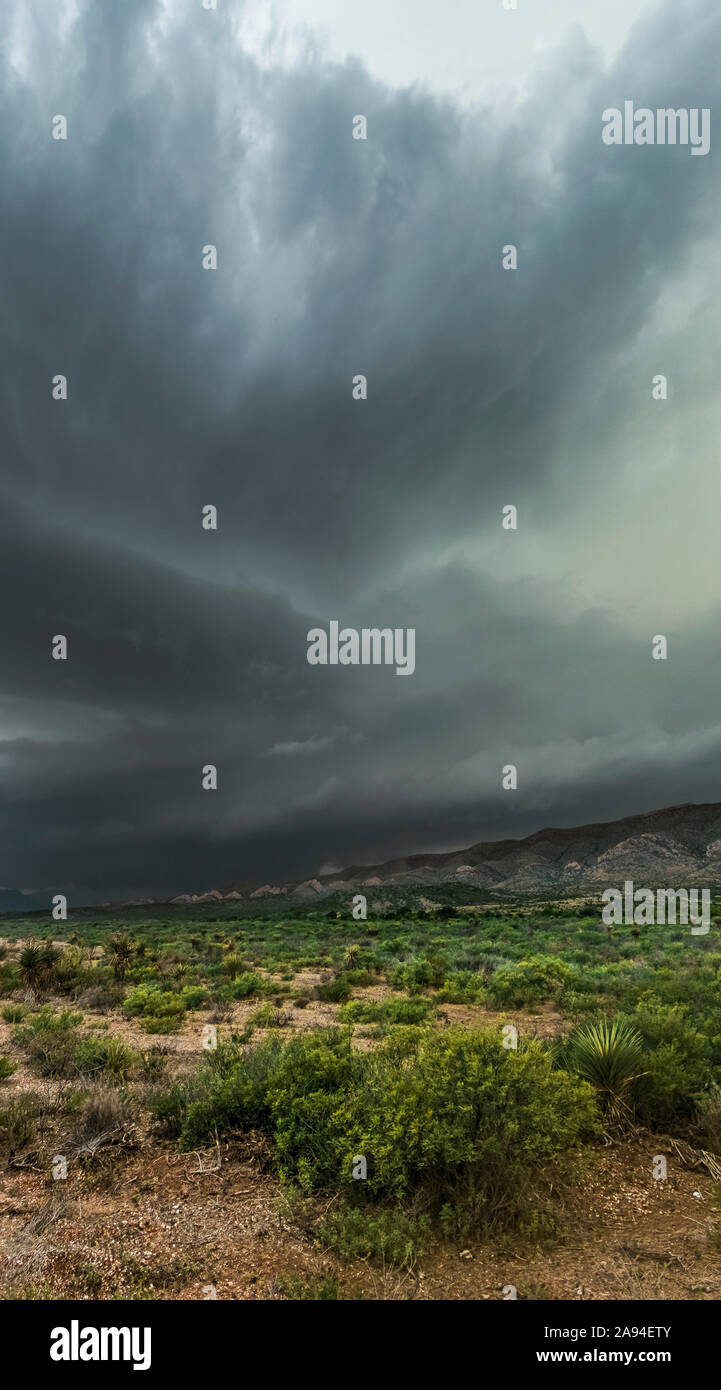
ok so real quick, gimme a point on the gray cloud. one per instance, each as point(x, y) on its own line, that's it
point(188, 387)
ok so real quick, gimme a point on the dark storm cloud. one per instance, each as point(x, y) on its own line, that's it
point(188, 387)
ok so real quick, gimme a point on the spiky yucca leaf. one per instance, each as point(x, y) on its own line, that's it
point(608, 1054)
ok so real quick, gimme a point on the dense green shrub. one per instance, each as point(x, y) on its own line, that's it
point(55, 1049)
point(417, 975)
point(149, 999)
point(246, 986)
point(462, 1113)
point(170, 1108)
point(336, 991)
point(167, 1022)
point(194, 996)
point(68, 972)
point(462, 987)
point(677, 1060)
point(361, 976)
point(303, 1093)
point(708, 1120)
point(160, 1011)
point(415, 1010)
point(384, 1233)
point(10, 977)
point(454, 1112)
point(528, 982)
point(228, 1094)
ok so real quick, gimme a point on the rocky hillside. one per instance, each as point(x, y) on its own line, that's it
point(678, 846)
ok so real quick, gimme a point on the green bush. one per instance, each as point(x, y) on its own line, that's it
point(414, 1010)
point(452, 1112)
point(162, 1023)
point(169, 1109)
point(10, 977)
point(336, 991)
point(462, 1114)
point(246, 986)
point(194, 996)
point(108, 1055)
point(160, 1011)
point(147, 1000)
point(360, 977)
point(6, 1068)
point(310, 1079)
point(46, 1021)
point(528, 982)
point(227, 1094)
point(68, 971)
point(462, 987)
point(415, 976)
point(676, 1059)
point(367, 1233)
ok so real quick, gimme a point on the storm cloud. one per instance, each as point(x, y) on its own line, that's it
point(234, 388)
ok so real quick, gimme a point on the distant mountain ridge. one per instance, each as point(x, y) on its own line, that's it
point(679, 846)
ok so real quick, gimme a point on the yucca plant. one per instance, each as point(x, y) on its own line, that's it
point(233, 965)
point(121, 949)
point(608, 1054)
point(31, 964)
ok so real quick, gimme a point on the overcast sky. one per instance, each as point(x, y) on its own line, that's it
point(234, 387)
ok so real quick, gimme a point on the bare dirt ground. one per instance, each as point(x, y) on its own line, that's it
point(145, 1222)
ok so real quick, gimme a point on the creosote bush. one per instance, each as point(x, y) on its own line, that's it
point(454, 1114)
point(159, 1011)
point(528, 982)
point(677, 1061)
point(415, 1010)
point(384, 1233)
